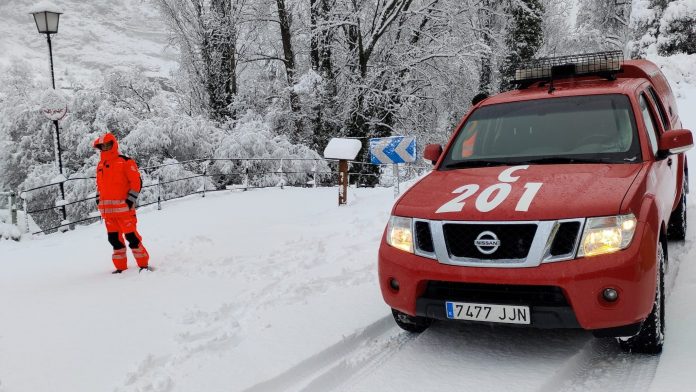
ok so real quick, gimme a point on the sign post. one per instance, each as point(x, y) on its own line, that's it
point(393, 150)
point(54, 106)
point(344, 150)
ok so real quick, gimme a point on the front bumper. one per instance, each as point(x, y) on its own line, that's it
point(581, 281)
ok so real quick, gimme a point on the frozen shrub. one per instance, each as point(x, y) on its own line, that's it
point(678, 28)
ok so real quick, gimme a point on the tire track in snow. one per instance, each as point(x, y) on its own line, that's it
point(601, 365)
point(337, 364)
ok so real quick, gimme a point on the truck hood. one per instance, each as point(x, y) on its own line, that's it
point(534, 192)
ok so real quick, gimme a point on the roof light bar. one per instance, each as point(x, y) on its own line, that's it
point(607, 63)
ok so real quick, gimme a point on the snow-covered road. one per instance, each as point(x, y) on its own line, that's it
point(275, 290)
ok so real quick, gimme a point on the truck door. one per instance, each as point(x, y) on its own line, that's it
point(663, 171)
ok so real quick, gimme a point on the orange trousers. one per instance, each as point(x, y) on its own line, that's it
point(118, 228)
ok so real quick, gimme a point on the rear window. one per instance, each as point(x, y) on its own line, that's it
point(574, 129)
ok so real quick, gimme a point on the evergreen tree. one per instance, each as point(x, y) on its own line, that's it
point(524, 38)
point(678, 28)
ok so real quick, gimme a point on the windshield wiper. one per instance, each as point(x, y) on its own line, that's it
point(477, 163)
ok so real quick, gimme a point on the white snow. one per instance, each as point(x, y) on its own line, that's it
point(44, 5)
point(93, 37)
point(678, 361)
point(339, 148)
point(53, 99)
point(248, 284)
point(58, 179)
point(276, 290)
point(307, 83)
point(9, 231)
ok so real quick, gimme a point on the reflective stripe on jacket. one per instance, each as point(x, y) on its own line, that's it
point(118, 180)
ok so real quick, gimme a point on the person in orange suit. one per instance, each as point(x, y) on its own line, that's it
point(118, 187)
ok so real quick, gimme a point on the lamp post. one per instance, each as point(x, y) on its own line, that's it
point(47, 23)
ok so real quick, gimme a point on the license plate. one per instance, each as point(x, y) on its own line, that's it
point(508, 314)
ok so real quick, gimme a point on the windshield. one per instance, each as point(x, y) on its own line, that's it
point(584, 129)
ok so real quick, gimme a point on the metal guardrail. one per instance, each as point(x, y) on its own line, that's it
point(246, 174)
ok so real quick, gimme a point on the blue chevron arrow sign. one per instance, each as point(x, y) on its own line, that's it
point(396, 149)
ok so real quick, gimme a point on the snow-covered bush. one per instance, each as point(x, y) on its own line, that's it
point(44, 198)
point(9, 231)
point(252, 138)
point(179, 137)
point(678, 28)
point(175, 180)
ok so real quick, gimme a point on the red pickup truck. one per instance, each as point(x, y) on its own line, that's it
point(550, 207)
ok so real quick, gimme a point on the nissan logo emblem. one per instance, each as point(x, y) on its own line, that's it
point(487, 242)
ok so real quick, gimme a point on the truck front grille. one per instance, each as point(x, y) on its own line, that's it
point(566, 238)
point(424, 238)
point(515, 240)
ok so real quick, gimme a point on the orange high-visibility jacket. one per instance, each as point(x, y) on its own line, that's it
point(118, 180)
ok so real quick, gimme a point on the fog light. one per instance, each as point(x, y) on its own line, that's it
point(394, 284)
point(610, 295)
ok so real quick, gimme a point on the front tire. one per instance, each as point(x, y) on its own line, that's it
point(677, 221)
point(652, 333)
point(414, 324)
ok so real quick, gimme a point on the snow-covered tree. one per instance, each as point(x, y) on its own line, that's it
point(556, 28)
point(645, 25)
point(524, 37)
point(602, 25)
point(678, 28)
point(207, 34)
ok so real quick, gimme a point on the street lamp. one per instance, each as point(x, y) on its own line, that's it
point(47, 23)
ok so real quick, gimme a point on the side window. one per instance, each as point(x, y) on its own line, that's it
point(650, 124)
point(660, 108)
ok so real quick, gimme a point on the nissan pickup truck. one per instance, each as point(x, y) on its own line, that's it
point(550, 207)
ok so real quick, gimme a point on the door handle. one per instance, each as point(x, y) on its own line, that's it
point(669, 162)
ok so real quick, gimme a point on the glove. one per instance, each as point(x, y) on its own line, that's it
point(129, 203)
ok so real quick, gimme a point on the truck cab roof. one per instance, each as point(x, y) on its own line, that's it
point(633, 74)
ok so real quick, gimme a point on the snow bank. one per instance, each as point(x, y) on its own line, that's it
point(9, 232)
point(678, 361)
point(680, 70)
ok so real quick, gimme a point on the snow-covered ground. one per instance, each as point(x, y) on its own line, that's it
point(276, 290)
point(92, 37)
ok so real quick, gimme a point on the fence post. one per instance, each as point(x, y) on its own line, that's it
point(159, 194)
point(205, 177)
point(246, 175)
point(343, 182)
point(26, 215)
point(280, 172)
point(13, 208)
point(314, 174)
point(396, 181)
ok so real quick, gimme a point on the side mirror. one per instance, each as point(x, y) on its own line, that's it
point(675, 142)
point(432, 152)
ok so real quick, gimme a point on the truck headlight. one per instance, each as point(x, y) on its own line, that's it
point(400, 234)
point(607, 234)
